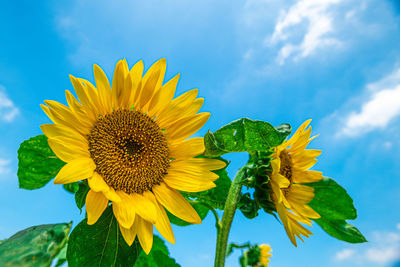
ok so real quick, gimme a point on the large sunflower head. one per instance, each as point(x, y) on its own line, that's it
point(290, 163)
point(130, 141)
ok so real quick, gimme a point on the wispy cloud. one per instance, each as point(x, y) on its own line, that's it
point(4, 166)
point(8, 111)
point(384, 249)
point(320, 25)
point(380, 107)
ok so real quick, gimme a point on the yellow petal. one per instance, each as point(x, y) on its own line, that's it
point(163, 224)
point(188, 184)
point(283, 216)
point(145, 234)
point(124, 211)
point(133, 85)
point(306, 176)
point(178, 108)
point(84, 98)
point(112, 195)
point(65, 114)
point(76, 170)
point(129, 234)
point(297, 134)
point(120, 73)
point(55, 130)
point(199, 163)
point(187, 149)
point(156, 73)
point(103, 87)
point(78, 110)
point(163, 97)
point(97, 183)
point(176, 203)
point(186, 127)
point(68, 149)
point(144, 206)
point(305, 211)
point(96, 203)
point(148, 90)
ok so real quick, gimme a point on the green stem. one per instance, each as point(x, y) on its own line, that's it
point(227, 218)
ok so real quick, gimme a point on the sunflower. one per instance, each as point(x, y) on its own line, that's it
point(264, 255)
point(290, 174)
point(130, 141)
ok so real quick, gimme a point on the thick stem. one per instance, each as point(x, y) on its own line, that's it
point(227, 218)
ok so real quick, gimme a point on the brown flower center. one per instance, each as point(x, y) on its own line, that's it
point(286, 168)
point(130, 151)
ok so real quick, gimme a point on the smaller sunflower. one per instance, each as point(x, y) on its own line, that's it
point(265, 254)
point(290, 172)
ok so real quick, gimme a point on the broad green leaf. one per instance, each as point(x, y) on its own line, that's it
point(37, 164)
point(244, 135)
point(158, 256)
point(332, 201)
point(72, 188)
point(341, 230)
point(35, 246)
point(100, 244)
point(335, 206)
point(80, 195)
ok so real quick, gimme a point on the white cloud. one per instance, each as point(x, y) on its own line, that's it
point(4, 166)
point(344, 254)
point(8, 111)
point(316, 13)
point(383, 249)
point(380, 108)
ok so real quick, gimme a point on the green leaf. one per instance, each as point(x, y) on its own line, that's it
point(80, 195)
point(244, 135)
point(100, 244)
point(335, 206)
point(332, 201)
point(158, 256)
point(37, 164)
point(35, 246)
point(341, 230)
point(72, 188)
point(62, 256)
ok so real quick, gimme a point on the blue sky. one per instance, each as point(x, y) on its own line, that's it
point(335, 61)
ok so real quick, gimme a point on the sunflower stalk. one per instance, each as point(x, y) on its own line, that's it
point(226, 222)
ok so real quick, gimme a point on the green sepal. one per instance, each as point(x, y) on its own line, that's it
point(37, 164)
point(80, 195)
point(35, 246)
point(100, 244)
point(248, 206)
point(244, 135)
point(335, 206)
point(158, 256)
